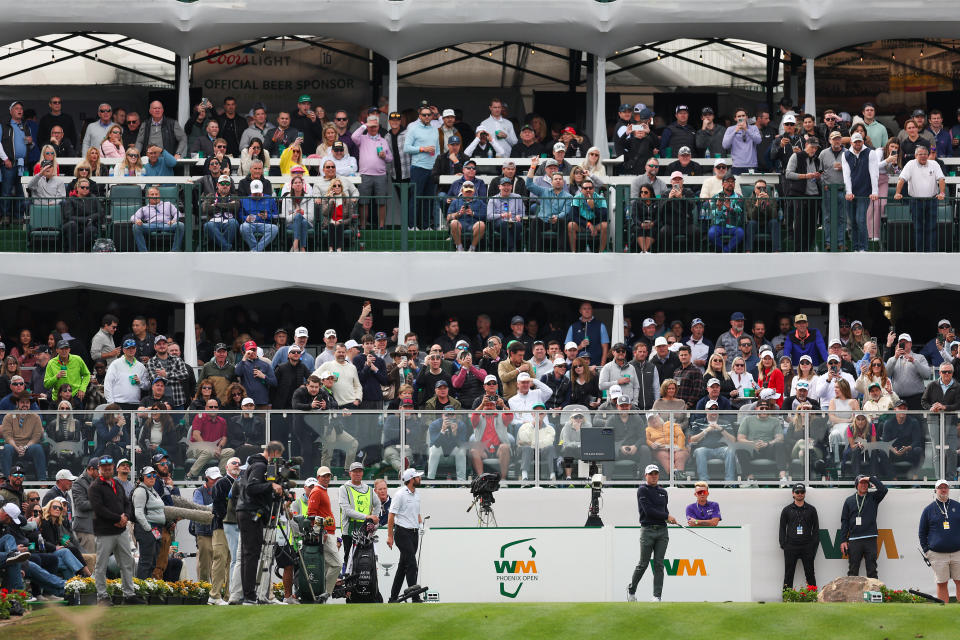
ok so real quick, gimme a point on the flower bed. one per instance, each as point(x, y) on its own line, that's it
point(809, 594)
point(152, 591)
point(804, 594)
point(12, 603)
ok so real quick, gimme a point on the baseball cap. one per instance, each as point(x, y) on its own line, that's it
point(470, 163)
point(905, 336)
point(570, 130)
point(64, 474)
point(835, 341)
point(12, 510)
point(736, 315)
point(645, 113)
point(249, 345)
point(622, 400)
point(676, 174)
point(330, 333)
point(256, 186)
point(712, 381)
point(481, 129)
point(526, 127)
point(129, 343)
point(626, 107)
point(247, 401)
point(768, 394)
point(327, 374)
point(861, 478)
point(123, 461)
point(309, 482)
point(789, 119)
point(660, 342)
point(220, 346)
point(467, 184)
point(523, 376)
point(492, 378)
point(833, 358)
point(803, 384)
point(681, 107)
point(918, 112)
point(395, 115)
point(224, 180)
point(301, 332)
point(551, 163)
point(304, 98)
point(799, 488)
point(159, 339)
point(765, 352)
point(380, 335)
point(351, 344)
point(873, 384)
point(159, 379)
point(46, 163)
point(298, 168)
point(63, 344)
point(800, 317)
point(516, 319)
point(720, 162)
point(651, 468)
point(806, 358)
point(454, 140)
point(157, 457)
point(856, 137)
point(695, 322)
point(940, 482)
point(447, 112)
point(104, 460)
point(557, 362)
point(855, 322)
point(712, 404)
point(409, 474)
point(835, 134)
point(649, 322)
point(324, 471)
point(294, 348)
point(684, 151)
point(706, 111)
point(213, 472)
point(443, 383)
point(356, 465)
point(571, 345)
point(505, 180)
point(559, 147)
point(147, 469)
point(944, 323)
point(338, 146)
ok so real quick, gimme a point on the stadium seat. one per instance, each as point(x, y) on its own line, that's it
point(44, 226)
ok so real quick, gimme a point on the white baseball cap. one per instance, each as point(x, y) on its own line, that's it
point(12, 510)
point(447, 112)
point(256, 186)
point(765, 352)
point(64, 474)
point(352, 344)
point(571, 345)
point(490, 378)
point(559, 362)
point(410, 474)
point(247, 401)
point(660, 342)
point(905, 336)
point(651, 468)
point(330, 333)
point(310, 482)
point(213, 472)
point(523, 376)
point(323, 471)
point(301, 332)
point(940, 482)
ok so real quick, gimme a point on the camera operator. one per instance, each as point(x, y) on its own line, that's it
point(252, 506)
point(319, 507)
point(405, 519)
point(358, 503)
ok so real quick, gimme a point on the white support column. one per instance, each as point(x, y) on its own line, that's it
point(833, 322)
point(392, 85)
point(599, 131)
point(183, 90)
point(189, 334)
point(403, 316)
point(810, 89)
point(616, 331)
point(590, 96)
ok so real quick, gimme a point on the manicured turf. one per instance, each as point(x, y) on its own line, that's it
point(485, 621)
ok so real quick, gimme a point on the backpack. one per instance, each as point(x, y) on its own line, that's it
point(104, 245)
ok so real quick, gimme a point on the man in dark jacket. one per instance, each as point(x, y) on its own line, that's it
point(253, 504)
point(82, 511)
point(858, 525)
point(290, 375)
point(112, 511)
point(905, 436)
point(654, 516)
point(943, 396)
point(940, 538)
point(83, 216)
point(315, 397)
point(799, 536)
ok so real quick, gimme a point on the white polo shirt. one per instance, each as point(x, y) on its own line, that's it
point(406, 508)
point(922, 179)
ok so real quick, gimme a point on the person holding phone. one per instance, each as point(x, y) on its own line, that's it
point(803, 186)
point(742, 140)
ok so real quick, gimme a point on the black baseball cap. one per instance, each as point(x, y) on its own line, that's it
point(799, 488)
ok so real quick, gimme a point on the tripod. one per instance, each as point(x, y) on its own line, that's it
point(484, 509)
point(273, 526)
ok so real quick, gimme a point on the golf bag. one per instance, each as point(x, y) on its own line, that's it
point(360, 584)
point(312, 573)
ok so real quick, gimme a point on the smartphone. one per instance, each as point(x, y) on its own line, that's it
point(902, 344)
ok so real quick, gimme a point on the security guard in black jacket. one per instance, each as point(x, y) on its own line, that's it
point(799, 536)
point(253, 507)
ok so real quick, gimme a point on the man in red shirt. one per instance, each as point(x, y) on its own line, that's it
point(208, 434)
point(319, 506)
point(490, 436)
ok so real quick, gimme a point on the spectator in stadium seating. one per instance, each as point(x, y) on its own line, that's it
point(282, 136)
point(769, 375)
point(905, 435)
point(491, 437)
point(589, 334)
point(645, 216)
point(329, 137)
point(659, 434)
point(764, 430)
point(805, 341)
point(204, 143)
point(469, 174)
point(875, 129)
point(48, 152)
point(97, 130)
point(527, 147)
point(160, 163)
point(220, 371)
point(296, 202)
point(92, 158)
point(709, 139)
point(336, 212)
point(131, 129)
point(943, 396)
point(499, 127)
point(588, 211)
point(259, 215)
point(485, 145)
point(66, 368)
point(785, 144)
point(679, 133)
point(910, 138)
point(689, 377)
point(831, 162)
point(742, 140)
point(584, 385)
point(163, 132)
point(467, 214)
point(907, 370)
point(45, 187)
point(375, 157)
point(221, 210)
point(345, 163)
point(592, 165)
point(809, 130)
point(157, 216)
point(685, 163)
point(420, 144)
point(252, 157)
point(506, 211)
point(173, 370)
point(639, 146)
point(448, 437)
point(62, 147)
point(762, 216)
point(256, 375)
point(259, 128)
point(836, 348)
point(552, 207)
point(112, 144)
point(725, 211)
point(926, 187)
point(126, 377)
point(509, 370)
point(130, 165)
point(208, 439)
point(714, 184)
point(22, 432)
point(57, 118)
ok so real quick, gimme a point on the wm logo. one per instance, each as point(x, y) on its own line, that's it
point(515, 567)
point(682, 567)
point(831, 548)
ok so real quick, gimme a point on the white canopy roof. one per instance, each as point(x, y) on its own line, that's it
point(399, 28)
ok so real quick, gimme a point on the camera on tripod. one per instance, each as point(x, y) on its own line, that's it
point(483, 487)
point(284, 472)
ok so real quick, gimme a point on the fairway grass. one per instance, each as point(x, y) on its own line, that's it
point(485, 621)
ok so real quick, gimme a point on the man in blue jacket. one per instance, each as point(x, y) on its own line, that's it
point(654, 516)
point(858, 525)
point(258, 213)
point(804, 341)
point(256, 375)
point(940, 539)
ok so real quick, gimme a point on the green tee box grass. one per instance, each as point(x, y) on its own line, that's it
point(484, 621)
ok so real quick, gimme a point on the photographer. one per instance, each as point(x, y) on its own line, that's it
point(252, 505)
point(907, 370)
point(448, 438)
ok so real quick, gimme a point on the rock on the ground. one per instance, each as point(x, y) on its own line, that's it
point(847, 589)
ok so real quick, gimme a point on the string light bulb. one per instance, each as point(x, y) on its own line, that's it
point(701, 56)
point(743, 56)
point(263, 48)
point(893, 55)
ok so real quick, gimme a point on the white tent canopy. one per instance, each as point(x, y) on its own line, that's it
point(399, 28)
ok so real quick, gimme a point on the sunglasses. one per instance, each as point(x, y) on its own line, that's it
point(105, 110)
point(163, 463)
point(54, 507)
point(16, 384)
point(37, 512)
point(33, 499)
point(17, 475)
point(133, 155)
point(799, 493)
point(344, 119)
point(220, 146)
point(701, 493)
point(150, 475)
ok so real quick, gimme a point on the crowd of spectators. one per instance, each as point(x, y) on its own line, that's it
point(472, 399)
point(833, 171)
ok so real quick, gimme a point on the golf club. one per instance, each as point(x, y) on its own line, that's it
point(713, 542)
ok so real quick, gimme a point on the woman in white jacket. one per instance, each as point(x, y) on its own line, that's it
point(528, 439)
point(296, 206)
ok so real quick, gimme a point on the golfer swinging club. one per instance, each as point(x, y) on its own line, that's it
point(652, 504)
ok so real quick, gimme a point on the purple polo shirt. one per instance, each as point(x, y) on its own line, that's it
point(706, 512)
point(370, 163)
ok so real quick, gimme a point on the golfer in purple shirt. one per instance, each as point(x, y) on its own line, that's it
point(703, 513)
